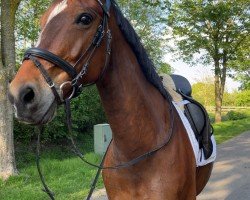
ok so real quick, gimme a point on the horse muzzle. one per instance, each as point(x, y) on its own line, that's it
point(32, 105)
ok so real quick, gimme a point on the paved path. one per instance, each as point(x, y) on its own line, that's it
point(100, 195)
point(230, 179)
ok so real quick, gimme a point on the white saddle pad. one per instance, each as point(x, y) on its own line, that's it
point(198, 153)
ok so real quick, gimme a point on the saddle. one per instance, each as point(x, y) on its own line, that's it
point(196, 115)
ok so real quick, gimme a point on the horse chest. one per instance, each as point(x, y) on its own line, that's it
point(140, 185)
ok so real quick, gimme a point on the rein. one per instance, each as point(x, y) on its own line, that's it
point(101, 166)
point(34, 53)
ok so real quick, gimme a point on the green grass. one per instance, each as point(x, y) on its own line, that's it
point(229, 129)
point(67, 175)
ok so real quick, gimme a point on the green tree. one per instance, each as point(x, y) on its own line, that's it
point(243, 98)
point(28, 24)
point(164, 68)
point(7, 64)
point(242, 65)
point(244, 78)
point(204, 93)
point(147, 19)
point(217, 30)
point(230, 99)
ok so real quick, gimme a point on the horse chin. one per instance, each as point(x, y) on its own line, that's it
point(41, 117)
point(49, 115)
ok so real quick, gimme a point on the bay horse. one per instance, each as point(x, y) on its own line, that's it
point(75, 49)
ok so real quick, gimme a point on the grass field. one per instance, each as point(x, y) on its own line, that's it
point(229, 129)
point(67, 176)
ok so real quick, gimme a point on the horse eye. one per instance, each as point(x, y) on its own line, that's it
point(85, 19)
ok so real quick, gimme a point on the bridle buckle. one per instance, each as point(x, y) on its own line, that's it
point(51, 85)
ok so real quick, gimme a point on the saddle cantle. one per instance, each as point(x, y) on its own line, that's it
point(182, 84)
point(196, 115)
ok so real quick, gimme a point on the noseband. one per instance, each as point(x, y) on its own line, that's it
point(34, 53)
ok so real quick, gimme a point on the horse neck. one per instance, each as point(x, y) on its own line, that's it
point(136, 111)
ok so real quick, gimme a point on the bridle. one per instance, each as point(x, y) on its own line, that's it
point(34, 53)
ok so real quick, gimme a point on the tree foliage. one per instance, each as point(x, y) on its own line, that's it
point(147, 18)
point(244, 79)
point(164, 68)
point(215, 32)
point(204, 93)
point(243, 98)
point(28, 25)
point(211, 28)
point(241, 65)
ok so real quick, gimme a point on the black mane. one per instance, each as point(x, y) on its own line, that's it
point(140, 52)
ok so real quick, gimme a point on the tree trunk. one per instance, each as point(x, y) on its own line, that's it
point(218, 94)
point(7, 67)
point(224, 72)
point(220, 81)
point(218, 100)
point(7, 156)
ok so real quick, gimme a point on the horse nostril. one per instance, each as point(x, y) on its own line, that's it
point(28, 96)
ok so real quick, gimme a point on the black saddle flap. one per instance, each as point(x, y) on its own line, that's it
point(196, 118)
point(196, 115)
point(200, 123)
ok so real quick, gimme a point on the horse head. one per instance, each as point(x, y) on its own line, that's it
point(72, 51)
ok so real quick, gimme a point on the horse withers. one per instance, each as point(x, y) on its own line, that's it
point(90, 42)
